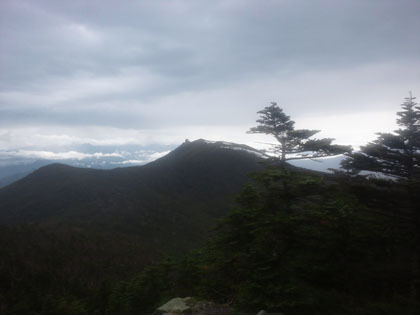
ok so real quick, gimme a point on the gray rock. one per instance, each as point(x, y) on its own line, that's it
point(262, 312)
point(191, 306)
point(175, 306)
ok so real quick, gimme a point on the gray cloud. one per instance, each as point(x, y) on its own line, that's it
point(215, 40)
point(163, 65)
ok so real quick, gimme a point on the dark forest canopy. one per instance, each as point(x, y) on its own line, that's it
point(298, 245)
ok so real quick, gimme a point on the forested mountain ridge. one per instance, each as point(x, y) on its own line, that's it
point(67, 231)
point(199, 169)
point(85, 241)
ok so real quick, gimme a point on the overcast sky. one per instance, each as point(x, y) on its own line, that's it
point(111, 73)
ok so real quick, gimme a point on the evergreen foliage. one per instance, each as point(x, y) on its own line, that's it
point(396, 154)
point(293, 143)
point(297, 245)
point(294, 243)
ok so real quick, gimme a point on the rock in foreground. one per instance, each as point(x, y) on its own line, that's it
point(192, 306)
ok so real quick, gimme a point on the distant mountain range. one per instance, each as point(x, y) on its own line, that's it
point(16, 165)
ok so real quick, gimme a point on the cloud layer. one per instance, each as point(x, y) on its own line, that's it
point(144, 72)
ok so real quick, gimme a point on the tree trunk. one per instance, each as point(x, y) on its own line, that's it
point(283, 150)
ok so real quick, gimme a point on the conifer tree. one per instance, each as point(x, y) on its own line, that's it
point(396, 154)
point(293, 143)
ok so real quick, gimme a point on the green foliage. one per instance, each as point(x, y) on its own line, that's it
point(274, 121)
point(398, 154)
point(395, 154)
point(64, 306)
point(292, 142)
point(293, 243)
point(155, 285)
point(299, 235)
point(297, 245)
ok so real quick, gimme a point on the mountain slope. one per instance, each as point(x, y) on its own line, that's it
point(68, 231)
point(162, 207)
point(199, 170)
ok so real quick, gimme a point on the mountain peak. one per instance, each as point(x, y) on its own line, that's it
point(222, 145)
